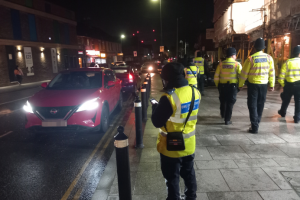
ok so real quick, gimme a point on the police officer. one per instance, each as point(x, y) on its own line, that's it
point(226, 79)
point(191, 73)
point(199, 63)
point(170, 115)
point(289, 78)
point(259, 70)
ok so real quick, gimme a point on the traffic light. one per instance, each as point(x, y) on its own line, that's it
point(153, 30)
point(133, 34)
point(142, 41)
point(154, 40)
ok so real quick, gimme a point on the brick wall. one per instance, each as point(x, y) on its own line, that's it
point(4, 76)
point(73, 35)
point(25, 26)
point(44, 28)
point(6, 31)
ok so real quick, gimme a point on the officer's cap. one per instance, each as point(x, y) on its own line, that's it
point(230, 52)
point(172, 71)
point(259, 44)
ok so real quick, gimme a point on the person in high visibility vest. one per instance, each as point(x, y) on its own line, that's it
point(199, 63)
point(191, 73)
point(289, 79)
point(259, 70)
point(177, 112)
point(226, 79)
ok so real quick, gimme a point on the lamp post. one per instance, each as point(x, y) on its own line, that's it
point(161, 31)
point(122, 37)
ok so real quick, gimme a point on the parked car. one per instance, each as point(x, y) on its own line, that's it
point(77, 99)
point(131, 80)
point(149, 67)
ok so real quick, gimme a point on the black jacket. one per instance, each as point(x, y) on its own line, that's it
point(162, 111)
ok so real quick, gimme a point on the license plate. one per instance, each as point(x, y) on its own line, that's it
point(54, 123)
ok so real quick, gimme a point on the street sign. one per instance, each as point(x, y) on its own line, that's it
point(135, 53)
point(162, 48)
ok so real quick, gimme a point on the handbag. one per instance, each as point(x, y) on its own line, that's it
point(175, 140)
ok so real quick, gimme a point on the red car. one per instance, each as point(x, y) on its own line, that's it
point(75, 100)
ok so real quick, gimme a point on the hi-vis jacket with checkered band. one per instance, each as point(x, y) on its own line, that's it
point(199, 62)
point(290, 71)
point(180, 99)
point(227, 71)
point(191, 75)
point(258, 69)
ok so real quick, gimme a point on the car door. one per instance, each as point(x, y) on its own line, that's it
point(108, 91)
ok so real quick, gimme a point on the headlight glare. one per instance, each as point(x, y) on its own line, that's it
point(88, 105)
point(150, 68)
point(27, 107)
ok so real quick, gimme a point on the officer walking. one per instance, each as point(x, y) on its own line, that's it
point(259, 70)
point(226, 79)
point(289, 78)
point(191, 73)
point(199, 62)
point(176, 116)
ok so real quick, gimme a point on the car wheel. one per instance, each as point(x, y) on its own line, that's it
point(104, 119)
point(120, 103)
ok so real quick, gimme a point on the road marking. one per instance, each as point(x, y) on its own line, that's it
point(15, 100)
point(77, 195)
point(6, 134)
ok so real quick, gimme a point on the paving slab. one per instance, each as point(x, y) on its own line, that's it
point(234, 196)
point(216, 164)
point(288, 162)
point(150, 155)
point(291, 149)
point(202, 153)
point(248, 179)
point(263, 151)
point(227, 152)
point(206, 140)
point(202, 196)
point(150, 183)
point(279, 195)
point(290, 137)
point(244, 163)
point(265, 139)
point(233, 139)
point(210, 181)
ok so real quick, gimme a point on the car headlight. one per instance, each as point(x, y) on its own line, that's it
point(150, 68)
point(88, 105)
point(27, 107)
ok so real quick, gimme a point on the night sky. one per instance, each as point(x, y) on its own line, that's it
point(118, 17)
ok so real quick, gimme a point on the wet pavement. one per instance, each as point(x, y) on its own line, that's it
point(51, 166)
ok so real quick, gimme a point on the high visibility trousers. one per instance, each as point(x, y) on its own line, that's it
point(201, 83)
point(172, 168)
point(289, 90)
point(227, 99)
point(256, 102)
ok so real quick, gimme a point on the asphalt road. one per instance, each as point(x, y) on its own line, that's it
point(51, 165)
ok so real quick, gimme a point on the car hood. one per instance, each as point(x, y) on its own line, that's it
point(58, 98)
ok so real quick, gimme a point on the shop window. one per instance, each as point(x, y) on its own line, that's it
point(56, 32)
point(47, 8)
point(16, 24)
point(28, 3)
point(67, 34)
point(32, 27)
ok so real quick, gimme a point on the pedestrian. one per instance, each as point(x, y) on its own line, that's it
point(199, 62)
point(176, 116)
point(259, 70)
point(191, 72)
point(226, 79)
point(289, 79)
point(18, 74)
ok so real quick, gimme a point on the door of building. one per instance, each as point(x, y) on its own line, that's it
point(80, 62)
point(11, 60)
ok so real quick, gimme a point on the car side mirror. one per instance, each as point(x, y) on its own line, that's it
point(44, 85)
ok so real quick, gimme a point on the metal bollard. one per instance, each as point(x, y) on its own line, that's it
point(138, 123)
point(144, 103)
point(123, 167)
point(150, 82)
point(147, 91)
point(148, 88)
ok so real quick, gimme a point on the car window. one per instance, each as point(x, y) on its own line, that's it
point(106, 77)
point(112, 76)
point(76, 80)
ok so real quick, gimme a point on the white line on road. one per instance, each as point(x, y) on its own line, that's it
point(6, 134)
point(14, 100)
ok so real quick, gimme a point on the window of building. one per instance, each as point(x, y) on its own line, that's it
point(32, 27)
point(67, 34)
point(47, 8)
point(56, 32)
point(16, 24)
point(28, 3)
point(103, 45)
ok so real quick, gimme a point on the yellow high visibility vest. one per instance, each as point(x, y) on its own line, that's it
point(199, 62)
point(180, 99)
point(228, 70)
point(191, 75)
point(258, 69)
point(290, 71)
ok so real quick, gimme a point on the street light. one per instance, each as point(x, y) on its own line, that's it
point(122, 37)
point(161, 31)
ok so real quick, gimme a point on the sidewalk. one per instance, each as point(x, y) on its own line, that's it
point(230, 163)
point(18, 87)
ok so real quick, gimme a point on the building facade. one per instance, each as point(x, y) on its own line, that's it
point(38, 37)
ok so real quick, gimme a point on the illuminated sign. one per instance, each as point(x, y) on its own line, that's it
point(92, 53)
point(103, 55)
point(80, 52)
point(120, 54)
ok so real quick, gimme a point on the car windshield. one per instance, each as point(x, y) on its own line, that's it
point(76, 81)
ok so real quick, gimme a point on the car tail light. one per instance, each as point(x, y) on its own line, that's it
point(130, 78)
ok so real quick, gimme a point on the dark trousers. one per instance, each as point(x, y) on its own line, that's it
point(289, 90)
point(19, 78)
point(256, 101)
point(201, 81)
point(227, 99)
point(172, 168)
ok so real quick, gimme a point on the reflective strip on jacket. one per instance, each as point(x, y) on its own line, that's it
point(191, 76)
point(228, 70)
point(290, 71)
point(180, 101)
point(258, 69)
point(199, 62)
